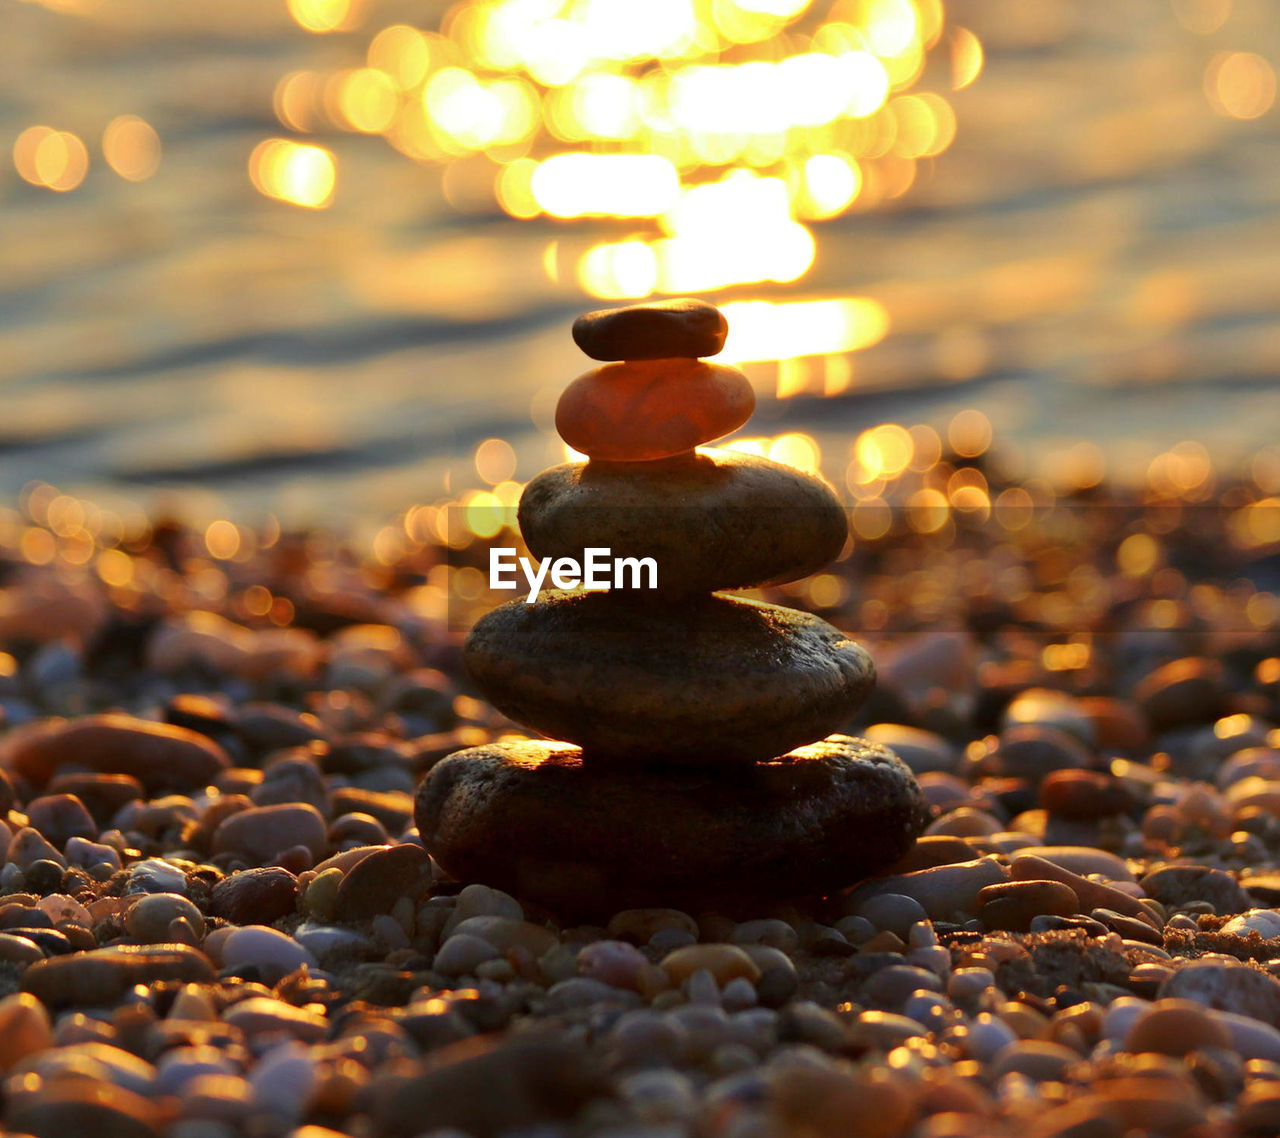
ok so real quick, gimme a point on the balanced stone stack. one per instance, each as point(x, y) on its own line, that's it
point(689, 760)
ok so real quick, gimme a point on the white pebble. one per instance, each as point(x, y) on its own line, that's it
point(988, 1035)
point(284, 1080)
point(266, 948)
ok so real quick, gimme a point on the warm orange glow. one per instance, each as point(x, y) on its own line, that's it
point(323, 15)
point(365, 100)
point(969, 433)
point(767, 330)
point(1204, 17)
point(1240, 85)
point(495, 461)
point(884, 451)
point(291, 172)
point(402, 53)
point(222, 539)
point(55, 159)
point(732, 116)
point(131, 147)
point(966, 59)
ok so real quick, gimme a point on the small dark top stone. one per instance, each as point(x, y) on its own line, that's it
point(661, 329)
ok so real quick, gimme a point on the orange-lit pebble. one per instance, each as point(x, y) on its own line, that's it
point(639, 411)
point(1174, 1027)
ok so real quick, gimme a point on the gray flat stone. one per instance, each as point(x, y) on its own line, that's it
point(714, 519)
point(707, 680)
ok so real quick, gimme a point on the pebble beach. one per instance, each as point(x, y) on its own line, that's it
point(218, 918)
point(959, 818)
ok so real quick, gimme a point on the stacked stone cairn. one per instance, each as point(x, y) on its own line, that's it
point(688, 759)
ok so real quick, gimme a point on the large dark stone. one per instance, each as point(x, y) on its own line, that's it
point(707, 680)
point(656, 330)
point(714, 519)
point(533, 818)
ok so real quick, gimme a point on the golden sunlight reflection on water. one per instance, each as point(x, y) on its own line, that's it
point(694, 121)
point(327, 247)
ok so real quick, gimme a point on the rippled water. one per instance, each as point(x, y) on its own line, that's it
point(1095, 257)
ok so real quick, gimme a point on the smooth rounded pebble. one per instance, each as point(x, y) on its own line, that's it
point(377, 882)
point(820, 817)
point(160, 756)
point(1174, 1027)
point(650, 409)
point(657, 329)
point(262, 832)
point(103, 975)
point(712, 519)
point(274, 953)
point(707, 680)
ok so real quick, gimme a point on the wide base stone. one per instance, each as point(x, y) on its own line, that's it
point(533, 818)
point(706, 680)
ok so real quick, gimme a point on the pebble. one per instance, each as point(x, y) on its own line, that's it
point(1183, 692)
point(724, 962)
point(254, 896)
point(375, 883)
point(709, 679)
point(1091, 894)
point(1175, 1027)
point(643, 410)
point(160, 756)
point(260, 1015)
point(155, 876)
point(25, 1029)
point(102, 976)
point(1264, 922)
point(679, 327)
point(1230, 987)
point(893, 911)
point(149, 920)
point(61, 817)
point(283, 1081)
point(714, 519)
point(942, 891)
point(273, 953)
point(828, 813)
point(774, 933)
point(1014, 904)
point(262, 832)
point(74, 1105)
point(462, 953)
point(614, 962)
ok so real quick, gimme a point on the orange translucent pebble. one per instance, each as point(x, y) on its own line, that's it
point(642, 410)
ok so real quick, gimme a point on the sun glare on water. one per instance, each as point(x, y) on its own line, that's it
point(711, 136)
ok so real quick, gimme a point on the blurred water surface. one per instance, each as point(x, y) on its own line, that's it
point(1097, 256)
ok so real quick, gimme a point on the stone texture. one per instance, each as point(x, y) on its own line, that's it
point(658, 329)
point(713, 519)
point(597, 840)
point(103, 976)
point(160, 756)
point(708, 680)
point(378, 881)
point(651, 409)
point(254, 896)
